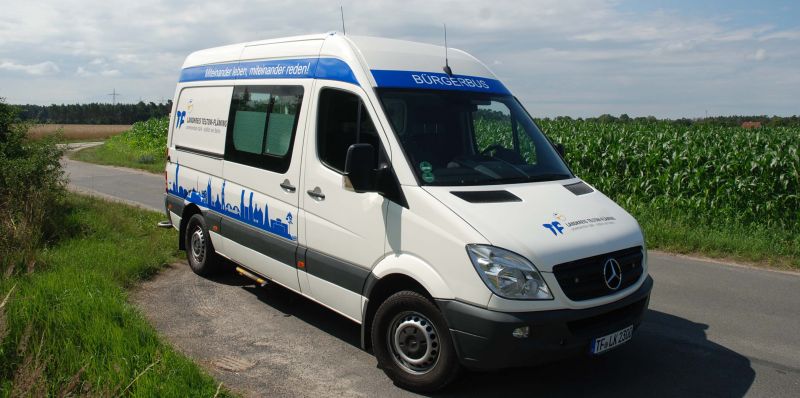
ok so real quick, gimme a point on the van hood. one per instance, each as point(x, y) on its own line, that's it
point(547, 222)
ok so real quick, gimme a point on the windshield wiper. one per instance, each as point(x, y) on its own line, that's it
point(530, 178)
point(513, 166)
point(548, 177)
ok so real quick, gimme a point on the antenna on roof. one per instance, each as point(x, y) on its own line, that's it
point(341, 9)
point(446, 62)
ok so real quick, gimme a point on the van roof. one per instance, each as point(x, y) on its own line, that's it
point(373, 61)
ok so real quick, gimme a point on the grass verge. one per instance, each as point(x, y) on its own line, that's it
point(142, 147)
point(753, 244)
point(68, 329)
point(113, 155)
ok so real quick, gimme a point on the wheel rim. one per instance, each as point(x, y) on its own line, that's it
point(198, 245)
point(414, 342)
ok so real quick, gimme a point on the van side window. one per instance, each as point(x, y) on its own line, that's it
point(261, 126)
point(343, 121)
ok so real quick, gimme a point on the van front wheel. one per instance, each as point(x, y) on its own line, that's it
point(412, 343)
point(199, 251)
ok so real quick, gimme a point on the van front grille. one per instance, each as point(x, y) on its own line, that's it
point(583, 279)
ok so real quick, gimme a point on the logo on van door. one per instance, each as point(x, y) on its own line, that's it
point(180, 118)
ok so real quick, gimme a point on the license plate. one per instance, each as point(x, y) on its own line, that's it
point(607, 342)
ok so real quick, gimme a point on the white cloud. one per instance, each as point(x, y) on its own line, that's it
point(759, 55)
point(83, 72)
point(786, 35)
point(40, 69)
point(111, 73)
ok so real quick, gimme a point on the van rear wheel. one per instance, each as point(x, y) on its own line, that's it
point(199, 250)
point(412, 343)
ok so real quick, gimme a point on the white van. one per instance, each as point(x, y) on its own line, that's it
point(413, 195)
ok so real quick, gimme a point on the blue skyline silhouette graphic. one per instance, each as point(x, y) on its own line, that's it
point(250, 214)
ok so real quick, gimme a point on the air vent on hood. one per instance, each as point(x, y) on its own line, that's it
point(487, 196)
point(579, 188)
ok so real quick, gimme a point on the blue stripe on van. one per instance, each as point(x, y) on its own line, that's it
point(437, 81)
point(305, 68)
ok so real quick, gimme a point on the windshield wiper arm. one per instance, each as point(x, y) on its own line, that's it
point(513, 166)
point(548, 177)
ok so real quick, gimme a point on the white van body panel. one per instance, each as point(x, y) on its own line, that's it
point(435, 237)
point(211, 103)
point(282, 50)
point(388, 54)
point(341, 300)
point(345, 228)
point(214, 55)
point(592, 223)
point(412, 266)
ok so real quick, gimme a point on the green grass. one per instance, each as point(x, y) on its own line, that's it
point(142, 147)
point(69, 324)
point(115, 155)
point(681, 233)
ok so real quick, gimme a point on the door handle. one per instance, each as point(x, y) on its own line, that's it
point(316, 193)
point(288, 187)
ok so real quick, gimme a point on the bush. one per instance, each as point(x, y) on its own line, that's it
point(31, 191)
point(146, 140)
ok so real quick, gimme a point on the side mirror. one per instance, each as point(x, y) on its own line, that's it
point(560, 149)
point(359, 175)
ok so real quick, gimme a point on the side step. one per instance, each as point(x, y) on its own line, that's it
point(261, 282)
point(165, 224)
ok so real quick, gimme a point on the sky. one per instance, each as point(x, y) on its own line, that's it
point(672, 58)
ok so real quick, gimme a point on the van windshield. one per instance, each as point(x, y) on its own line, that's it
point(459, 138)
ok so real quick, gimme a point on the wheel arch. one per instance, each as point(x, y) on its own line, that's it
point(188, 211)
point(395, 274)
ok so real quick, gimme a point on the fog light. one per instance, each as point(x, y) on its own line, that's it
point(522, 332)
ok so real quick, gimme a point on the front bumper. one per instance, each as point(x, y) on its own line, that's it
point(484, 341)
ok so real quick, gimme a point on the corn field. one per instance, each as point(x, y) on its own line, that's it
point(144, 142)
point(714, 174)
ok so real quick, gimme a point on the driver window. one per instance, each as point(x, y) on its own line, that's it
point(343, 121)
point(498, 135)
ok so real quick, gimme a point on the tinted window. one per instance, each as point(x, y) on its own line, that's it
point(497, 133)
point(342, 121)
point(462, 138)
point(263, 120)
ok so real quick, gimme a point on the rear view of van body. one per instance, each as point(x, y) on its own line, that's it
point(422, 203)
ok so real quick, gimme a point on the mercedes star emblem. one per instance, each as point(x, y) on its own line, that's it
point(612, 274)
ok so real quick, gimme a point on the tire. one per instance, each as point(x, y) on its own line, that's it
point(412, 343)
point(200, 253)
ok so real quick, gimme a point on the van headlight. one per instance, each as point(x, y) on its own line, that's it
point(508, 274)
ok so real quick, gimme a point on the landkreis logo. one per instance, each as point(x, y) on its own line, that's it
point(180, 116)
point(560, 225)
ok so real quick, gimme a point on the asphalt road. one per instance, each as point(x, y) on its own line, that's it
point(713, 329)
point(134, 187)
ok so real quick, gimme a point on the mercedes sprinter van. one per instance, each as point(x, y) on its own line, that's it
point(411, 194)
